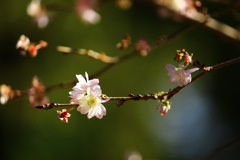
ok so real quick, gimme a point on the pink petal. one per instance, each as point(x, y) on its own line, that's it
point(170, 67)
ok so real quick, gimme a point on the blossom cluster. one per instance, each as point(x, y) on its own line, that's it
point(26, 46)
point(36, 93)
point(36, 10)
point(88, 95)
point(179, 74)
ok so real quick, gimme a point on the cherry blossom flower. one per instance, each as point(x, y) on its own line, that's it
point(92, 104)
point(179, 75)
point(64, 115)
point(82, 87)
point(87, 93)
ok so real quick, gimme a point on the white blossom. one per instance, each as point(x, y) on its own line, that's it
point(87, 93)
point(82, 87)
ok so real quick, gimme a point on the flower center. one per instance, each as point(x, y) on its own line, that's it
point(179, 74)
point(92, 101)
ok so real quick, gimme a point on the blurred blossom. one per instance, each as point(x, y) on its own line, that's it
point(23, 43)
point(125, 42)
point(32, 50)
point(187, 8)
point(36, 93)
point(134, 156)
point(124, 4)
point(25, 46)
point(90, 16)
point(6, 93)
point(142, 47)
point(39, 14)
point(179, 75)
point(86, 11)
point(64, 115)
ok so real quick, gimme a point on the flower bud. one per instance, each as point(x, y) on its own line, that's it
point(188, 58)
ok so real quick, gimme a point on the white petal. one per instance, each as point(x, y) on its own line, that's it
point(96, 91)
point(83, 109)
point(101, 111)
point(91, 113)
point(86, 75)
point(81, 79)
point(93, 82)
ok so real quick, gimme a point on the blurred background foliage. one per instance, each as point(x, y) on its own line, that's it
point(204, 116)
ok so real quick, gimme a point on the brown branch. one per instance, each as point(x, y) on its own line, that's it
point(154, 96)
point(160, 41)
point(207, 21)
point(53, 105)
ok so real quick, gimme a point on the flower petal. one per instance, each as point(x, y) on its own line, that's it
point(192, 70)
point(170, 67)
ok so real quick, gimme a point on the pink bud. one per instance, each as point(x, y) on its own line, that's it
point(188, 58)
point(164, 109)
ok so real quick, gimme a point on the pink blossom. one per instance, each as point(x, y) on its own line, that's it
point(164, 107)
point(179, 75)
point(36, 94)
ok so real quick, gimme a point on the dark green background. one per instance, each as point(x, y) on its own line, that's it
point(204, 116)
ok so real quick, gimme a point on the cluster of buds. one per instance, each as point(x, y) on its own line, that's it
point(87, 94)
point(124, 43)
point(142, 47)
point(182, 54)
point(26, 46)
point(180, 74)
